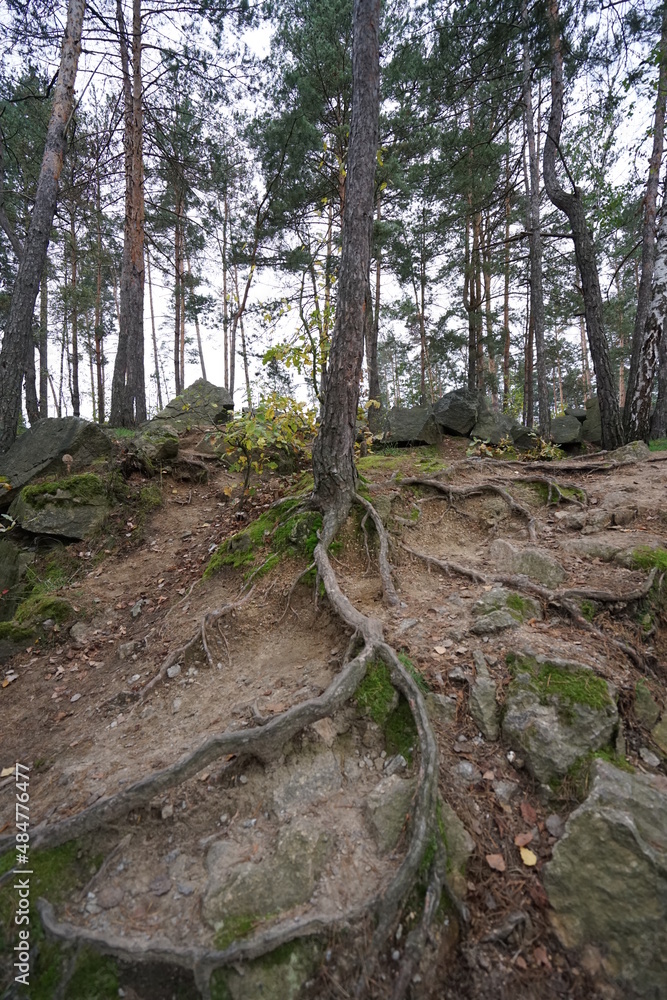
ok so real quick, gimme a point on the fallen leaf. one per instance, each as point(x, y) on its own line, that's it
point(523, 839)
point(528, 857)
point(496, 861)
point(488, 776)
point(439, 650)
point(541, 957)
point(6, 771)
point(528, 814)
point(538, 895)
point(521, 963)
point(205, 776)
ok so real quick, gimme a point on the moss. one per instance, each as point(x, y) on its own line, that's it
point(588, 610)
point(87, 487)
point(645, 558)
point(418, 678)
point(576, 782)
point(95, 978)
point(298, 534)
point(376, 695)
point(515, 602)
point(400, 731)
point(150, 497)
point(233, 929)
point(219, 988)
point(660, 444)
point(575, 686)
point(13, 632)
point(38, 607)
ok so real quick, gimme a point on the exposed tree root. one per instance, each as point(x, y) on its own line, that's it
point(469, 491)
point(554, 490)
point(565, 598)
point(264, 742)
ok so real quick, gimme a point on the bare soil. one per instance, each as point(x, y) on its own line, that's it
point(77, 718)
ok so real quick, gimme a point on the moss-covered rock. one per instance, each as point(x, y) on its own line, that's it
point(200, 405)
point(280, 975)
point(74, 507)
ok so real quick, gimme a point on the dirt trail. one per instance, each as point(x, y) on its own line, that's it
point(148, 600)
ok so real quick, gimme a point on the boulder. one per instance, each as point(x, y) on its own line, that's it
point(557, 712)
point(607, 881)
point(200, 405)
point(459, 847)
point(304, 781)
point(520, 607)
point(494, 621)
point(410, 425)
point(628, 454)
point(280, 881)
point(39, 452)
point(495, 427)
point(576, 411)
point(536, 564)
point(566, 430)
point(156, 445)
point(74, 507)
point(458, 411)
point(647, 708)
point(483, 705)
point(592, 426)
point(523, 437)
point(386, 809)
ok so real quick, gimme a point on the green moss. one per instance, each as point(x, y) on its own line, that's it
point(150, 497)
point(400, 731)
point(39, 607)
point(576, 686)
point(95, 978)
point(233, 929)
point(414, 673)
point(219, 988)
point(375, 695)
point(298, 534)
point(576, 782)
point(645, 558)
point(588, 610)
point(13, 632)
point(660, 444)
point(515, 602)
point(87, 487)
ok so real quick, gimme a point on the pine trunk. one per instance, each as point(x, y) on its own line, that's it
point(572, 206)
point(18, 329)
point(43, 345)
point(333, 449)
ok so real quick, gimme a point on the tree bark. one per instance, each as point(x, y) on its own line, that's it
point(637, 410)
point(43, 345)
point(572, 206)
point(372, 334)
point(155, 354)
point(76, 398)
point(18, 331)
point(333, 449)
point(535, 247)
point(128, 393)
point(654, 335)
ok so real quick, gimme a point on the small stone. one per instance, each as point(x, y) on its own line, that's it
point(224, 819)
point(496, 621)
point(136, 609)
point(109, 897)
point(134, 678)
point(396, 955)
point(647, 709)
point(326, 730)
point(174, 670)
point(75, 697)
point(167, 811)
point(184, 889)
point(466, 773)
point(458, 674)
point(394, 764)
point(161, 885)
point(555, 825)
point(649, 757)
point(243, 780)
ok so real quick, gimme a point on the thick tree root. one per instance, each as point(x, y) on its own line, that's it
point(469, 491)
point(265, 742)
point(390, 595)
point(565, 599)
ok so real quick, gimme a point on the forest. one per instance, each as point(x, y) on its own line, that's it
point(198, 213)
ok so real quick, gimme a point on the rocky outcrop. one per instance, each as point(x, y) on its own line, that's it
point(607, 881)
point(501, 605)
point(202, 404)
point(458, 411)
point(592, 426)
point(557, 712)
point(156, 445)
point(566, 430)
point(483, 704)
point(74, 507)
point(536, 564)
point(410, 425)
point(40, 451)
point(495, 427)
point(387, 808)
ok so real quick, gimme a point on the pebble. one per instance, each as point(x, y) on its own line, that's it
point(395, 764)
point(134, 678)
point(167, 811)
point(649, 757)
point(176, 705)
point(396, 955)
point(174, 670)
point(75, 697)
point(243, 780)
point(185, 890)
point(161, 885)
point(555, 825)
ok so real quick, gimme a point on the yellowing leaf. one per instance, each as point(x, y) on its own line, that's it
point(6, 771)
point(528, 857)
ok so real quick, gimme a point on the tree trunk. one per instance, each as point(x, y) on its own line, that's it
point(637, 410)
point(372, 333)
point(333, 449)
point(199, 344)
point(572, 206)
point(128, 393)
point(654, 335)
point(31, 404)
point(535, 247)
point(506, 289)
point(18, 330)
point(76, 398)
point(43, 345)
point(99, 329)
point(659, 419)
point(155, 354)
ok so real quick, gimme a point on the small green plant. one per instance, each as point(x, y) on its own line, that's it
point(233, 929)
point(8, 525)
point(376, 695)
point(588, 610)
point(645, 558)
point(414, 673)
point(660, 444)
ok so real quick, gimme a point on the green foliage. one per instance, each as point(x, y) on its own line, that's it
point(376, 694)
point(233, 929)
point(294, 535)
point(576, 782)
point(278, 425)
point(95, 978)
point(588, 610)
point(400, 731)
point(414, 673)
point(574, 686)
point(150, 497)
point(645, 558)
point(13, 632)
point(660, 444)
point(38, 607)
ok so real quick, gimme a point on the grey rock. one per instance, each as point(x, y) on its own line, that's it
point(386, 808)
point(11, 573)
point(484, 707)
point(520, 607)
point(39, 452)
point(173, 671)
point(457, 412)
point(273, 978)
point(647, 708)
point(110, 896)
point(410, 425)
point(494, 427)
point(395, 764)
point(441, 708)
point(200, 405)
point(555, 825)
point(459, 847)
point(280, 881)
point(465, 773)
point(604, 546)
point(304, 780)
point(523, 438)
point(552, 730)
point(596, 520)
point(659, 734)
point(534, 563)
point(607, 881)
point(505, 791)
point(155, 445)
point(592, 426)
point(628, 454)
point(649, 757)
point(576, 411)
point(61, 511)
point(566, 430)
point(496, 621)
point(161, 885)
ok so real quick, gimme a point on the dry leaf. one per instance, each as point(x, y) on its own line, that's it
point(439, 650)
point(541, 957)
point(6, 771)
point(523, 839)
point(521, 963)
point(496, 861)
point(528, 814)
point(528, 857)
